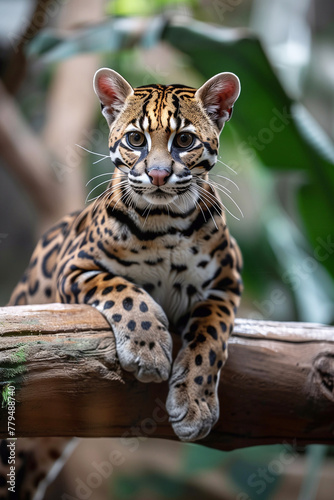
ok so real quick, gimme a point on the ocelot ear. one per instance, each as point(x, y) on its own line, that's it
point(218, 95)
point(112, 90)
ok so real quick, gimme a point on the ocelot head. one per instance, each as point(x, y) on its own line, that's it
point(164, 138)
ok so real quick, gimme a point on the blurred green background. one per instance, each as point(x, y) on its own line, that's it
point(277, 150)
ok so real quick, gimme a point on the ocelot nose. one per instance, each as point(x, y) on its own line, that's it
point(158, 176)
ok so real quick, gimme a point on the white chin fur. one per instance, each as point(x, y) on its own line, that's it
point(160, 199)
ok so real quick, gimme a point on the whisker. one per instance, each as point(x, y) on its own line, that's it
point(148, 213)
point(178, 207)
point(127, 191)
point(96, 176)
point(213, 184)
point(225, 164)
point(101, 184)
point(107, 192)
point(101, 159)
point(221, 189)
point(95, 187)
point(92, 152)
point(226, 178)
point(217, 203)
point(101, 197)
point(193, 190)
point(203, 199)
point(235, 203)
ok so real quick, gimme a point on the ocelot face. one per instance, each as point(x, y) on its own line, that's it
point(165, 138)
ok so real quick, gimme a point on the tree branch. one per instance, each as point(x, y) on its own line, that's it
point(277, 385)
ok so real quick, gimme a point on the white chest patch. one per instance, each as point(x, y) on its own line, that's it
point(172, 272)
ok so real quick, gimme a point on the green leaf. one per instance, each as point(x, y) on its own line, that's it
point(318, 215)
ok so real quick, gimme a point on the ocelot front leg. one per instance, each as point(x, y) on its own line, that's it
point(192, 402)
point(140, 326)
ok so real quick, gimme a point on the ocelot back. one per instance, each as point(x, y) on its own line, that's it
point(152, 251)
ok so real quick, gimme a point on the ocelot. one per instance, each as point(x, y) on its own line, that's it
point(153, 252)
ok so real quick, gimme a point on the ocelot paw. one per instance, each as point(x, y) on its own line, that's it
point(192, 402)
point(145, 349)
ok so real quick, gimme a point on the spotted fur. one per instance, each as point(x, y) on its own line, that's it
point(153, 252)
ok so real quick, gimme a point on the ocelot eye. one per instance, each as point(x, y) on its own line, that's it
point(183, 140)
point(136, 139)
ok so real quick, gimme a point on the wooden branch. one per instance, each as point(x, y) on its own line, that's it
point(277, 385)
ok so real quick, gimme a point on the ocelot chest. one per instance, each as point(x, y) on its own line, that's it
point(173, 268)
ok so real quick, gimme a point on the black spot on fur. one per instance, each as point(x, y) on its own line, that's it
point(223, 326)
point(90, 294)
point(198, 380)
point(107, 290)
point(225, 310)
point(131, 325)
point(108, 277)
point(117, 317)
point(194, 327)
point(224, 283)
point(146, 325)
point(189, 337)
point(221, 246)
point(143, 307)
point(191, 290)
point(212, 357)
point(48, 292)
point(151, 345)
point(198, 360)
point(45, 268)
point(200, 338)
point(219, 364)
point(81, 223)
point(153, 262)
point(128, 303)
point(33, 263)
point(227, 261)
point(212, 331)
point(201, 312)
point(120, 288)
point(108, 304)
point(75, 290)
point(178, 268)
